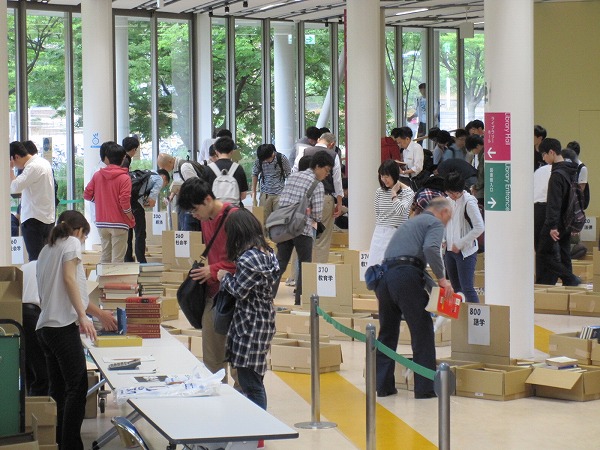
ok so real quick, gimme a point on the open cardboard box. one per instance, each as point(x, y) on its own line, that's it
point(11, 293)
point(569, 344)
point(565, 384)
point(585, 304)
point(294, 356)
point(547, 302)
point(492, 382)
point(342, 301)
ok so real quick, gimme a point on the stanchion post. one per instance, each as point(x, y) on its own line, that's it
point(169, 216)
point(315, 377)
point(443, 392)
point(370, 386)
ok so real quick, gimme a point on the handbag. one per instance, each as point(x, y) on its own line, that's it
point(224, 306)
point(191, 295)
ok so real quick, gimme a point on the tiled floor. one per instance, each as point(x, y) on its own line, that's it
point(402, 422)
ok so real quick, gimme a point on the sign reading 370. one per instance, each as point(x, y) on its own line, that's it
point(497, 186)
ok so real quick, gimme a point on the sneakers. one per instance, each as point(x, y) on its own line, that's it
point(261, 444)
point(422, 395)
point(387, 393)
point(290, 282)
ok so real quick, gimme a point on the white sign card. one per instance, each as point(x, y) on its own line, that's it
point(479, 324)
point(363, 260)
point(159, 223)
point(588, 234)
point(326, 280)
point(182, 244)
point(17, 249)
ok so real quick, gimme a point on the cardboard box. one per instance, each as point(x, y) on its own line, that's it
point(258, 212)
point(174, 276)
point(118, 341)
point(566, 385)
point(479, 279)
point(596, 258)
point(345, 319)
point(294, 356)
point(292, 323)
point(493, 382)
point(585, 304)
point(44, 434)
point(11, 293)
point(195, 245)
point(169, 308)
point(339, 239)
point(584, 270)
point(49, 447)
point(301, 337)
point(551, 302)
point(185, 340)
point(44, 408)
point(595, 353)
point(341, 302)
point(196, 346)
point(364, 302)
point(359, 261)
point(498, 349)
point(91, 402)
point(360, 323)
point(569, 344)
point(31, 445)
point(335, 258)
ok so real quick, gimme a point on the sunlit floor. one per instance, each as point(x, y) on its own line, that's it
point(402, 421)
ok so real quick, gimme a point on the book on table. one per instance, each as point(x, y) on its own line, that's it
point(152, 267)
point(126, 268)
point(561, 361)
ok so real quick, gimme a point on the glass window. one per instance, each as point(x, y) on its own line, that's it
point(12, 75)
point(78, 122)
point(414, 72)
point(341, 136)
point(448, 79)
point(219, 67)
point(390, 79)
point(474, 77)
point(174, 88)
point(317, 72)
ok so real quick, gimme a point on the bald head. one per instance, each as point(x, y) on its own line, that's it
point(166, 162)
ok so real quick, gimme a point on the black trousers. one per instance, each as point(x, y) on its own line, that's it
point(140, 236)
point(303, 245)
point(36, 372)
point(35, 234)
point(400, 292)
point(553, 259)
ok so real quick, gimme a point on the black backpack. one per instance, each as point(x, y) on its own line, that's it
point(574, 218)
point(586, 189)
point(198, 167)
point(139, 178)
point(279, 163)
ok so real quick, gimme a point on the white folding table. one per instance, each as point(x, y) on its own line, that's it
point(227, 420)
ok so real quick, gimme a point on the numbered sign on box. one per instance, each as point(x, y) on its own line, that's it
point(326, 280)
point(588, 234)
point(478, 324)
point(182, 244)
point(17, 250)
point(159, 223)
point(364, 263)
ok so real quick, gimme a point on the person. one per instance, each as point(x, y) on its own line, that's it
point(412, 154)
point(582, 170)
point(342, 220)
point(466, 170)
point(458, 149)
point(540, 197)
point(252, 286)
point(553, 257)
point(297, 186)
point(432, 187)
point(145, 197)
point(36, 186)
point(196, 196)
point(421, 110)
point(33, 150)
point(332, 201)
point(401, 293)
point(461, 237)
point(442, 150)
point(182, 170)
point(224, 146)
point(131, 144)
point(270, 169)
point(110, 191)
point(474, 144)
point(539, 134)
point(309, 140)
point(36, 379)
point(390, 149)
point(64, 303)
point(393, 200)
point(204, 153)
point(476, 127)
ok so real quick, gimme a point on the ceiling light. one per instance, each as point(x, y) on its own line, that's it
point(478, 23)
point(264, 8)
point(160, 3)
point(210, 13)
point(245, 3)
point(226, 9)
point(412, 12)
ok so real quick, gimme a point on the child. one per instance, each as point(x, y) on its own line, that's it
point(253, 324)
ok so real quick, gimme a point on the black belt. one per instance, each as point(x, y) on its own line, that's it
point(31, 306)
point(404, 261)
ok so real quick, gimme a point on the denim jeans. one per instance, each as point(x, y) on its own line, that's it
point(252, 386)
point(68, 381)
point(461, 272)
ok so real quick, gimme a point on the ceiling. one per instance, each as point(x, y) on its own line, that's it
point(433, 13)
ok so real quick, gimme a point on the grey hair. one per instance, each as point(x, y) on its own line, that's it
point(439, 204)
point(328, 137)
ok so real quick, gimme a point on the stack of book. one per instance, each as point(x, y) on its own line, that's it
point(561, 363)
point(117, 281)
point(143, 317)
point(149, 279)
point(590, 332)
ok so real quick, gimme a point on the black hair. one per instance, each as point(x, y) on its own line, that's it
point(113, 152)
point(211, 151)
point(574, 145)
point(324, 130)
point(264, 152)
point(165, 173)
point(224, 145)
point(404, 132)
point(304, 163)
point(313, 133)
point(130, 143)
point(17, 149)
point(550, 144)
point(244, 232)
point(477, 124)
point(433, 133)
point(193, 192)
point(30, 147)
point(321, 159)
point(224, 133)
point(67, 222)
point(540, 131)
point(569, 153)
point(473, 141)
point(395, 133)
point(443, 137)
point(460, 133)
point(344, 183)
point(388, 167)
point(422, 85)
point(454, 182)
point(468, 127)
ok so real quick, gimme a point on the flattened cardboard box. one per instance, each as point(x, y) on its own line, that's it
point(493, 382)
point(342, 302)
point(11, 293)
point(566, 385)
point(499, 334)
point(294, 356)
point(195, 245)
point(570, 345)
point(585, 304)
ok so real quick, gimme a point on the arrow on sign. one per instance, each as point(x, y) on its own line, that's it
point(490, 152)
point(492, 202)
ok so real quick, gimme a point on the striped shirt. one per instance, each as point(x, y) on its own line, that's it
point(392, 213)
point(272, 180)
point(297, 185)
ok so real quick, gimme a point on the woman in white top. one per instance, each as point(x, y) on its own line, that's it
point(392, 205)
point(461, 237)
point(64, 303)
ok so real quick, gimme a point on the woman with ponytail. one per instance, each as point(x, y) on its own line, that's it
point(64, 303)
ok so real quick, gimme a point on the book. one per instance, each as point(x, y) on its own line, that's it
point(111, 279)
point(561, 361)
point(143, 320)
point(118, 295)
point(152, 267)
point(129, 268)
point(120, 287)
point(135, 299)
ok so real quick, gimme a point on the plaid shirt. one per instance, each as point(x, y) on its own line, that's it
point(271, 179)
point(253, 324)
point(297, 185)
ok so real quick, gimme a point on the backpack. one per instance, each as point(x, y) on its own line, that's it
point(279, 163)
point(287, 222)
point(389, 149)
point(428, 165)
point(225, 187)
point(139, 178)
point(481, 237)
point(574, 218)
point(586, 189)
point(198, 167)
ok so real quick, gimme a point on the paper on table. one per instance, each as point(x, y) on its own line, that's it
point(108, 359)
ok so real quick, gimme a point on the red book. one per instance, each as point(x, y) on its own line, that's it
point(120, 286)
point(141, 299)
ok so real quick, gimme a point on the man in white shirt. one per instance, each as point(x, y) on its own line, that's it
point(412, 154)
point(36, 186)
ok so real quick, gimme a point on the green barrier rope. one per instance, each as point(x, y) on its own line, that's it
point(423, 371)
